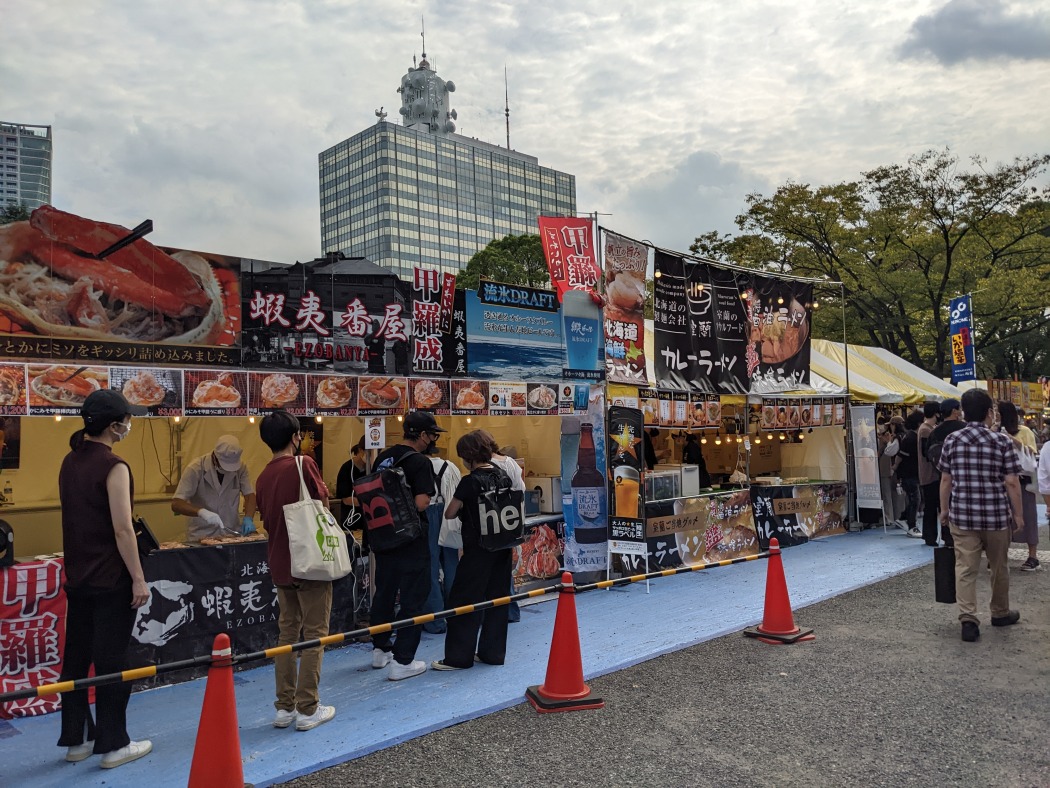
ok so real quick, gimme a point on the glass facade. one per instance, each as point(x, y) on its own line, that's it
point(25, 165)
point(405, 198)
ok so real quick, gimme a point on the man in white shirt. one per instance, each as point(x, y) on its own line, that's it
point(210, 491)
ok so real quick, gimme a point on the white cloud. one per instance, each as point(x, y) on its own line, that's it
point(208, 118)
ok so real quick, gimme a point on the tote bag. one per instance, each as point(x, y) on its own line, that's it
point(315, 541)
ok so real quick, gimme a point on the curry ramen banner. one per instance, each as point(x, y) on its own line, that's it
point(724, 331)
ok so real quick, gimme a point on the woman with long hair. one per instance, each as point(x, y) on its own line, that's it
point(1024, 440)
point(104, 581)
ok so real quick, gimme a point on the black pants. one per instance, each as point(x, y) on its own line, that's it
point(481, 575)
point(98, 631)
point(931, 509)
point(911, 496)
point(405, 570)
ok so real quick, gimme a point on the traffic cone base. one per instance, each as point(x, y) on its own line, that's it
point(563, 688)
point(548, 705)
point(778, 624)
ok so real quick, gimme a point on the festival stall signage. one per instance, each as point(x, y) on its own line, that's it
point(865, 456)
point(625, 264)
point(470, 397)
point(796, 514)
point(692, 531)
point(513, 333)
point(342, 316)
point(331, 394)
point(210, 393)
point(626, 493)
point(140, 304)
point(430, 395)
point(507, 398)
point(382, 395)
point(268, 391)
point(60, 390)
point(13, 398)
point(157, 390)
point(433, 301)
point(568, 245)
point(723, 331)
point(963, 364)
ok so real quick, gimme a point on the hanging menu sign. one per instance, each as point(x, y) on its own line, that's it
point(381, 396)
point(469, 397)
point(269, 391)
point(60, 390)
point(13, 398)
point(215, 393)
point(332, 394)
point(157, 390)
point(430, 395)
point(507, 399)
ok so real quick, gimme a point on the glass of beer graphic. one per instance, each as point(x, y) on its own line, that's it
point(626, 484)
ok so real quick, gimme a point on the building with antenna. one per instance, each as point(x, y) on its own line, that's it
point(418, 194)
point(25, 165)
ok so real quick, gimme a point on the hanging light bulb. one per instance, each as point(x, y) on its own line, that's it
point(816, 304)
point(468, 419)
point(782, 436)
point(177, 419)
point(400, 418)
point(718, 441)
point(319, 419)
point(58, 418)
point(801, 437)
point(739, 439)
point(657, 275)
point(251, 419)
point(758, 439)
point(704, 440)
point(780, 299)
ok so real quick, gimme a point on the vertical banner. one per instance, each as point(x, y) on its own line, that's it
point(581, 317)
point(586, 505)
point(960, 327)
point(865, 456)
point(625, 263)
point(779, 347)
point(626, 497)
point(672, 345)
point(433, 300)
point(568, 245)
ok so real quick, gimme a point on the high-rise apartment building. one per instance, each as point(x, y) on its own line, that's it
point(418, 194)
point(25, 165)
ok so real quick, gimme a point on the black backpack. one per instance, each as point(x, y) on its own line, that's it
point(388, 507)
point(933, 453)
point(501, 510)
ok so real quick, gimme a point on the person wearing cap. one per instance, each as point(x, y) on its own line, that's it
point(405, 570)
point(210, 491)
point(104, 582)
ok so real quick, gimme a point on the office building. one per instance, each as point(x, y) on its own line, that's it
point(25, 165)
point(418, 194)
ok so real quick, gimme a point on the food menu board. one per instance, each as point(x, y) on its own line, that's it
point(791, 407)
point(506, 398)
point(210, 393)
point(664, 401)
point(332, 394)
point(430, 395)
point(157, 390)
point(815, 413)
point(469, 397)
point(13, 399)
point(382, 395)
point(60, 389)
point(270, 390)
point(542, 399)
point(804, 413)
point(680, 411)
point(840, 412)
point(649, 403)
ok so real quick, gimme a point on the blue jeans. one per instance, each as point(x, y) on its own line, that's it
point(442, 559)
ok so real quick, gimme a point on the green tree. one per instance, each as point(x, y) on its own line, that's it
point(13, 213)
point(514, 259)
point(904, 240)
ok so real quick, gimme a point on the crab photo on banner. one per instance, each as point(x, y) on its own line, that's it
point(625, 264)
point(157, 390)
point(139, 304)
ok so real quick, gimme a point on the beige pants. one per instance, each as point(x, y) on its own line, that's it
point(968, 547)
point(305, 610)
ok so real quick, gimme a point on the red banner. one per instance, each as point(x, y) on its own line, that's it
point(568, 245)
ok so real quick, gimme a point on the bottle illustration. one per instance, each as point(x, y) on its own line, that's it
point(589, 492)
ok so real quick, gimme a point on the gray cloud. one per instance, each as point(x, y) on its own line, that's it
point(979, 30)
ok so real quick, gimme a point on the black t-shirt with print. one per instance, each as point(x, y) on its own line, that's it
point(469, 491)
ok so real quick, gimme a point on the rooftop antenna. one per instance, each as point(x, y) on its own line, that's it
point(423, 32)
point(506, 103)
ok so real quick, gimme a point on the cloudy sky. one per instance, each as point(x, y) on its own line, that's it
point(208, 117)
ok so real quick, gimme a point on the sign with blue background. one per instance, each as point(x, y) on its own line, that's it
point(964, 366)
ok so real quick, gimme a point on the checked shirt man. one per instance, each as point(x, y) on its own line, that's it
point(980, 498)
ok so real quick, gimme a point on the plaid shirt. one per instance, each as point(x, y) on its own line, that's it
point(978, 460)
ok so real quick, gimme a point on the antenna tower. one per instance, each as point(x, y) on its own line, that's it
point(506, 103)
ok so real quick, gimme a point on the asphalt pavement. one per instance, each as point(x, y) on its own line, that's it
point(887, 694)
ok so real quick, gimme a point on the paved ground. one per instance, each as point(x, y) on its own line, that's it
point(888, 694)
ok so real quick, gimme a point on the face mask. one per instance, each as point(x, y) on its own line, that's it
point(122, 430)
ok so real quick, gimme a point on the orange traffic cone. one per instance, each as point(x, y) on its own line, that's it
point(778, 625)
point(217, 753)
point(563, 688)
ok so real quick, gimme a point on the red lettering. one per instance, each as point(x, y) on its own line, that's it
point(374, 503)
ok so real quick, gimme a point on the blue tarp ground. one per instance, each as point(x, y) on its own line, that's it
point(618, 628)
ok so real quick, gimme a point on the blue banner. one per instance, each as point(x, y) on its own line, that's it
point(960, 330)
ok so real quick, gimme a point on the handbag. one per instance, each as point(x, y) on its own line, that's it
point(316, 543)
point(144, 537)
point(944, 574)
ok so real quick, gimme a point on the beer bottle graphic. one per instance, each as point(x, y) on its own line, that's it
point(588, 492)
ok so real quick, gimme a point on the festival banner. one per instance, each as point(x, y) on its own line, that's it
point(539, 558)
point(14, 400)
point(60, 390)
point(626, 492)
point(625, 264)
point(960, 327)
point(865, 456)
point(382, 396)
point(706, 529)
point(331, 394)
point(140, 304)
point(568, 245)
point(433, 295)
point(157, 390)
point(470, 397)
point(514, 333)
point(347, 316)
point(778, 351)
point(796, 514)
point(584, 341)
point(269, 391)
point(211, 393)
point(430, 395)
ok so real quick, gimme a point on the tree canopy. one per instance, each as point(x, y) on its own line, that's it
point(904, 240)
point(515, 259)
point(13, 213)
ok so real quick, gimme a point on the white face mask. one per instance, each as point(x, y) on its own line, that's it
point(122, 430)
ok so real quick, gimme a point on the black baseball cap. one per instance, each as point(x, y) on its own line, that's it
point(419, 421)
point(948, 405)
point(107, 406)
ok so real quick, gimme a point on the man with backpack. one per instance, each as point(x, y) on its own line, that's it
point(951, 415)
point(404, 569)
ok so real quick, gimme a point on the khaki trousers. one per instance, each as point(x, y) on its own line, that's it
point(968, 547)
point(305, 609)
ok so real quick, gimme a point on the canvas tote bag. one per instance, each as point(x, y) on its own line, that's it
point(316, 542)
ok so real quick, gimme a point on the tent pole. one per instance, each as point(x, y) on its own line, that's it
point(851, 476)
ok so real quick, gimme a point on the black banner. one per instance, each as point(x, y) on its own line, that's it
point(794, 514)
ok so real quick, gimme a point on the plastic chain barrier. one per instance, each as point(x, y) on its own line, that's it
point(329, 640)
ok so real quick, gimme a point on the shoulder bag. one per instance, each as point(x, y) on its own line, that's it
point(316, 543)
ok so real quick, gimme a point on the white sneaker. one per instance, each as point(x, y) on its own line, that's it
point(319, 717)
point(914, 533)
point(79, 752)
point(284, 718)
point(131, 752)
point(413, 668)
point(380, 658)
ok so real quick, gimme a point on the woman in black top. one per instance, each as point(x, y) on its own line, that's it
point(481, 575)
point(104, 580)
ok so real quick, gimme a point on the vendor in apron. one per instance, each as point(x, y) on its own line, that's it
point(210, 491)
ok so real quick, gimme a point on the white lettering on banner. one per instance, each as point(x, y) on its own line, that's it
point(251, 598)
point(269, 307)
point(218, 602)
point(310, 315)
point(28, 643)
point(355, 319)
point(492, 522)
point(31, 584)
point(584, 557)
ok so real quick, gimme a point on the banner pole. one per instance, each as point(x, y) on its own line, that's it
point(853, 510)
